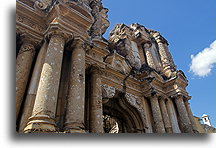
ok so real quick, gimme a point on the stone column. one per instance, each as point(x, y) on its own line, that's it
point(23, 68)
point(96, 27)
point(172, 115)
point(32, 90)
point(149, 58)
point(164, 59)
point(76, 92)
point(190, 114)
point(148, 117)
point(43, 114)
point(172, 64)
point(165, 116)
point(183, 115)
point(158, 120)
point(96, 110)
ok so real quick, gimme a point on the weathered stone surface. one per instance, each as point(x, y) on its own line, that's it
point(158, 120)
point(96, 112)
point(183, 115)
point(108, 91)
point(165, 115)
point(173, 116)
point(33, 86)
point(118, 78)
point(23, 68)
point(76, 92)
point(43, 114)
point(190, 114)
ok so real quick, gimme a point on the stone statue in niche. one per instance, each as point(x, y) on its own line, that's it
point(135, 57)
point(123, 37)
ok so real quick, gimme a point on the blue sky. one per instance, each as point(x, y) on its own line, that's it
point(189, 26)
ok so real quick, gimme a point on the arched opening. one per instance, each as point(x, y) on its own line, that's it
point(120, 117)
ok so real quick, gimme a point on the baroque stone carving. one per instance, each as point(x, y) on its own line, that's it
point(29, 23)
point(104, 20)
point(108, 91)
point(136, 102)
point(43, 4)
point(83, 77)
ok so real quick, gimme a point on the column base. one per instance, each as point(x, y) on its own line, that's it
point(74, 127)
point(80, 131)
point(168, 129)
point(40, 124)
point(187, 129)
point(195, 131)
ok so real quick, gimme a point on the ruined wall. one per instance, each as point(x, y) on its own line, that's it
point(69, 79)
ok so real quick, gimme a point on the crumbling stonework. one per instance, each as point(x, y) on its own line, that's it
point(69, 79)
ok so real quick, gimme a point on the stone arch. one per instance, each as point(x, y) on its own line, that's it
point(126, 115)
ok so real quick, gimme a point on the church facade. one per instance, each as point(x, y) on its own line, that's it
point(69, 79)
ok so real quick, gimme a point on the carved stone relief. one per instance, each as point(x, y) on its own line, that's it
point(43, 4)
point(108, 91)
point(136, 102)
point(104, 20)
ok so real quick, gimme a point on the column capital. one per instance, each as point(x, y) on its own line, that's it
point(96, 3)
point(78, 42)
point(159, 38)
point(27, 46)
point(147, 45)
point(162, 97)
point(27, 38)
point(96, 69)
point(57, 32)
point(177, 96)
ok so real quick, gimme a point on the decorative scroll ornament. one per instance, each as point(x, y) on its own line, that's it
point(108, 91)
point(135, 101)
point(43, 4)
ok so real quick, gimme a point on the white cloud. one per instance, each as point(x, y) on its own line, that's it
point(204, 61)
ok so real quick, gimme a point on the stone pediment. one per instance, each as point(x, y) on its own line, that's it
point(118, 62)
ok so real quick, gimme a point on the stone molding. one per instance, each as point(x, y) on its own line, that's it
point(58, 32)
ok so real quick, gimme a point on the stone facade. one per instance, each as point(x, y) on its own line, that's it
point(69, 79)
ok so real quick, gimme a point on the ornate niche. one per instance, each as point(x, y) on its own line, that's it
point(122, 37)
point(118, 62)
